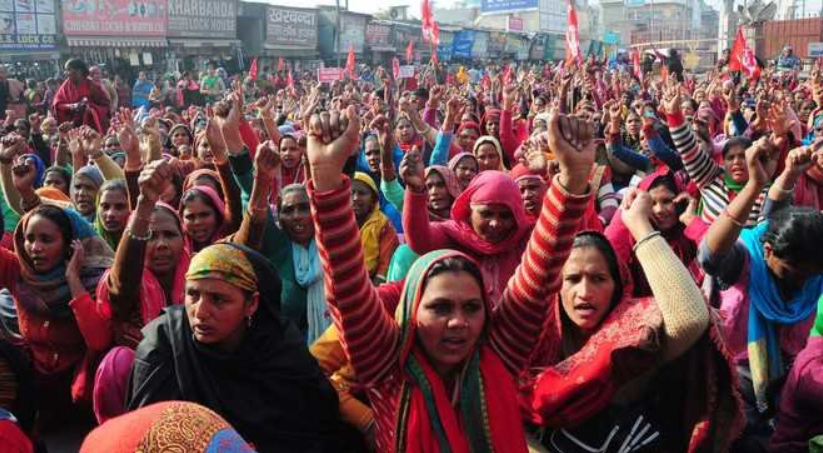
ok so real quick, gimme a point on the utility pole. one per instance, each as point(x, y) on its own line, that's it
point(337, 32)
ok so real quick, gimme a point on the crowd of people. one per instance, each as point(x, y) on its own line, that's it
point(528, 257)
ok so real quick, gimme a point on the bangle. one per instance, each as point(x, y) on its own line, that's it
point(783, 191)
point(145, 238)
point(645, 239)
point(736, 222)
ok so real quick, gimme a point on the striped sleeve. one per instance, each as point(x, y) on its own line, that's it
point(699, 165)
point(517, 320)
point(368, 334)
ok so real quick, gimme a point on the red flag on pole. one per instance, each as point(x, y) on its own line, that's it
point(350, 62)
point(638, 72)
point(434, 55)
point(410, 52)
point(281, 64)
point(253, 69)
point(507, 75)
point(572, 36)
point(431, 32)
point(742, 58)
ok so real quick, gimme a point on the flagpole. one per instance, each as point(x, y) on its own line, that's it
point(337, 33)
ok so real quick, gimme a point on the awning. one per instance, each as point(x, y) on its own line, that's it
point(303, 54)
point(95, 41)
point(194, 42)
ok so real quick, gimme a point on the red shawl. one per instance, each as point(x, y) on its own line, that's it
point(562, 392)
point(96, 115)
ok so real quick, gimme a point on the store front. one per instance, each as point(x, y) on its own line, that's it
point(203, 31)
point(124, 39)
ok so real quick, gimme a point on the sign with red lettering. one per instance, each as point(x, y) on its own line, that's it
point(120, 18)
point(329, 75)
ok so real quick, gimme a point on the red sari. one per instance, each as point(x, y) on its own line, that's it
point(95, 115)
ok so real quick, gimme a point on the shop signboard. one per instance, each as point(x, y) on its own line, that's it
point(119, 18)
point(353, 33)
point(463, 43)
point(497, 6)
point(28, 25)
point(291, 27)
point(378, 35)
point(444, 49)
point(480, 48)
point(203, 18)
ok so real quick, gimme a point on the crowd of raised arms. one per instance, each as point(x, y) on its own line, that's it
point(534, 257)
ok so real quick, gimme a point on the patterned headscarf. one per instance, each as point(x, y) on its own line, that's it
point(223, 262)
point(166, 426)
point(488, 420)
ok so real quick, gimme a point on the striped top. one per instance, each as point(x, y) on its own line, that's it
point(370, 334)
point(706, 173)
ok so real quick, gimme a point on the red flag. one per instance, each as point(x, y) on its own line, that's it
point(638, 71)
point(434, 55)
point(410, 52)
point(742, 58)
point(431, 32)
point(350, 62)
point(572, 36)
point(253, 70)
point(395, 66)
point(507, 75)
point(281, 64)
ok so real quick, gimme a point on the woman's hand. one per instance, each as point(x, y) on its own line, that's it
point(332, 139)
point(637, 213)
point(214, 135)
point(757, 160)
point(91, 142)
point(23, 173)
point(154, 179)
point(572, 140)
point(412, 171)
point(73, 268)
point(150, 145)
point(671, 99)
point(75, 264)
point(230, 123)
point(266, 162)
point(535, 156)
point(76, 143)
point(10, 147)
point(690, 213)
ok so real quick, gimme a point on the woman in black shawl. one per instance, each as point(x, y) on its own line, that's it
point(229, 350)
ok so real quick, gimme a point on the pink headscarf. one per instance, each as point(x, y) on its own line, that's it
point(489, 187)
point(452, 185)
point(220, 211)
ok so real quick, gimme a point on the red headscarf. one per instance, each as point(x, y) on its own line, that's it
point(567, 391)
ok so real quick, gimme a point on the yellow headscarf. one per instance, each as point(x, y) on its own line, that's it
point(223, 262)
point(372, 227)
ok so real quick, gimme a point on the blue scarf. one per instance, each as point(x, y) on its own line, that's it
point(309, 275)
point(767, 310)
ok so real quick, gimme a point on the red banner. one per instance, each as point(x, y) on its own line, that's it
point(114, 18)
point(329, 75)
